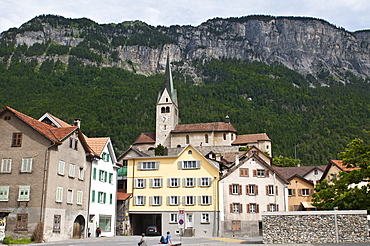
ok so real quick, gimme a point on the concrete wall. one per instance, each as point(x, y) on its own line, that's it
point(315, 227)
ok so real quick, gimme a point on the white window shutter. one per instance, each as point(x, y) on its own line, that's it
point(161, 182)
point(157, 165)
point(160, 200)
point(151, 182)
point(209, 200)
point(179, 164)
point(140, 165)
point(144, 183)
point(198, 164)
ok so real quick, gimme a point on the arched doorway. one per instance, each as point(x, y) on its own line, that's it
point(79, 227)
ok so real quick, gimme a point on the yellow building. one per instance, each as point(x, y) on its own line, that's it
point(168, 190)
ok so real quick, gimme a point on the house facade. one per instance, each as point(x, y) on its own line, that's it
point(44, 177)
point(175, 193)
point(103, 188)
point(249, 188)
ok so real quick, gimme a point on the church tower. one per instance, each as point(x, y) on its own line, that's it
point(167, 114)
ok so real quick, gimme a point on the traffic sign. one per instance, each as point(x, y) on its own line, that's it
point(181, 221)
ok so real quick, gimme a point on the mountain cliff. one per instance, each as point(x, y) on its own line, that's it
point(312, 47)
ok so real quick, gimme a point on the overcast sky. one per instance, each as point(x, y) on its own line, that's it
point(351, 14)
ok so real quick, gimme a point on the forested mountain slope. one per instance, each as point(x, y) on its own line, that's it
point(237, 67)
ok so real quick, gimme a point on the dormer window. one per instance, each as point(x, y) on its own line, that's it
point(166, 99)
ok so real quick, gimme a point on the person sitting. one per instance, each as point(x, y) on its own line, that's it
point(168, 239)
point(142, 241)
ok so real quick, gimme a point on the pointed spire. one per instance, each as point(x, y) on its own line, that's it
point(168, 83)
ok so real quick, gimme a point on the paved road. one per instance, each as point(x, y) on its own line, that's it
point(186, 241)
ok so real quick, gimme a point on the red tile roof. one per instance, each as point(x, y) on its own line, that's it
point(121, 196)
point(204, 127)
point(343, 167)
point(145, 137)
point(52, 133)
point(251, 138)
point(97, 144)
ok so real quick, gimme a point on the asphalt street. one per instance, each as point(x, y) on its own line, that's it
point(188, 241)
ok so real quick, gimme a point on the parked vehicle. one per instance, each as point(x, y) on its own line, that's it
point(152, 231)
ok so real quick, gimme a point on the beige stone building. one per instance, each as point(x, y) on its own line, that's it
point(44, 177)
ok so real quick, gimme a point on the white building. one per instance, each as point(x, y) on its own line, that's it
point(102, 211)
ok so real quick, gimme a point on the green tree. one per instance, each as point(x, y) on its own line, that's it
point(351, 189)
point(159, 150)
point(283, 161)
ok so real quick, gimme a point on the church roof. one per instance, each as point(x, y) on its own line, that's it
point(204, 127)
point(250, 138)
point(145, 137)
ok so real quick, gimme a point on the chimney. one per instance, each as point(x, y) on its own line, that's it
point(77, 122)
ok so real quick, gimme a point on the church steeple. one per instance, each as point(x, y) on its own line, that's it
point(167, 110)
point(168, 83)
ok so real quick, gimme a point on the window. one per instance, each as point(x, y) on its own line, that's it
point(6, 165)
point(187, 139)
point(235, 189)
point(205, 200)
point(204, 182)
point(173, 200)
point(93, 196)
point(173, 218)
point(189, 200)
point(304, 192)
point(272, 207)
point(315, 172)
point(271, 190)
point(103, 176)
point(105, 157)
point(105, 223)
point(243, 172)
point(81, 173)
point(56, 223)
point(76, 144)
point(102, 197)
point(71, 143)
point(156, 182)
point(22, 222)
point(224, 136)
point(17, 140)
point(110, 178)
point(291, 192)
point(94, 173)
point(26, 165)
point(148, 165)
point(236, 208)
point(69, 196)
point(59, 194)
point(193, 164)
point(189, 182)
point(163, 110)
point(260, 173)
point(4, 193)
point(252, 208)
point(79, 197)
point(110, 198)
point(7, 117)
point(252, 190)
point(156, 200)
point(24, 193)
point(206, 138)
point(173, 182)
point(204, 218)
point(140, 183)
point(71, 170)
point(61, 167)
point(140, 200)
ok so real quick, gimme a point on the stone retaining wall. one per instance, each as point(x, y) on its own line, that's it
point(315, 227)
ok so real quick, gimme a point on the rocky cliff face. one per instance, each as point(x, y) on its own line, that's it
point(306, 45)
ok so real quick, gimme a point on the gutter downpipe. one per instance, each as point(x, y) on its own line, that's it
point(44, 182)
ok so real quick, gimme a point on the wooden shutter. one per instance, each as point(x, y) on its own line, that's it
point(276, 190)
point(256, 190)
point(268, 207)
point(299, 192)
point(240, 208)
point(267, 173)
point(230, 189)
point(267, 190)
point(248, 208)
point(254, 172)
point(293, 192)
point(231, 208)
point(257, 208)
point(240, 189)
point(277, 207)
point(247, 189)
